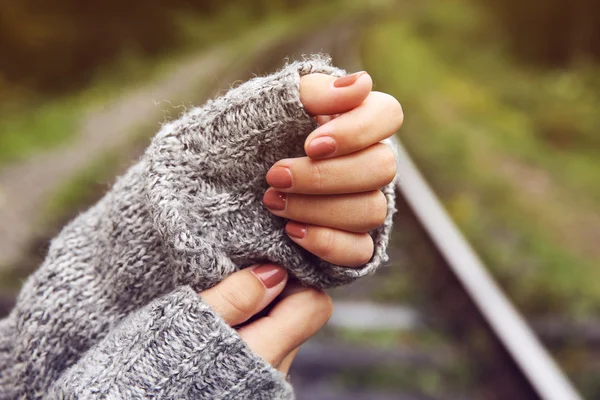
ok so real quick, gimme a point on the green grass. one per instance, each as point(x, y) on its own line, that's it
point(513, 152)
point(22, 134)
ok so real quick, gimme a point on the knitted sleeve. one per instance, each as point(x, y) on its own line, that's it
point(205, 179)
point(173, 348)
point(188, 213)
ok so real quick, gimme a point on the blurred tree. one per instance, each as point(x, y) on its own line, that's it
point(552, 32)
point(56, 46)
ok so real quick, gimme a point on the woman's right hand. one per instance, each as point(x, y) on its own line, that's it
point(332, 197)
point(276, 337)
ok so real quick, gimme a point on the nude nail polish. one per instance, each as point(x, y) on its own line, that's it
point(321, 147)
point(296, 229)
point(280, 177)
point(269, 275)
point(347, 80)
point(275, 200)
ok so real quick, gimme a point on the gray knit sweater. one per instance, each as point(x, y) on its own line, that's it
point(114, 313)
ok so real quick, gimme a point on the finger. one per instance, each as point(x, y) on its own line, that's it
point(363, 171)
point(377, 118)
point(323, 94)
point(356, 212)
point(343, 248)
point(323, 119)
point(246, 292)
point(286, 363)
point(298, 316)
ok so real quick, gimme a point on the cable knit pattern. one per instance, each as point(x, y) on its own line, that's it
point(188, 214)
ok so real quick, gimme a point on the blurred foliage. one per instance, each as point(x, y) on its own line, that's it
point(509, 144)
point(53, 119)
point(29, 122)
point(24, 131)
point(56, 46)
point(513, 151)
point(552, 32)
point(434, 366)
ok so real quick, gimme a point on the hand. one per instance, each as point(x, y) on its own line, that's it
point(299, 314)
point(332, 197)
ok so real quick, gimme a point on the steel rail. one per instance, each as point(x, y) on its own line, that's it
point(507, 324)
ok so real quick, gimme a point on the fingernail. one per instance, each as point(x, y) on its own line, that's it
point(270, 275)
point(275, 200)
point(321, 147)
point(347, 80)
point(296, 229)
point(280, 177)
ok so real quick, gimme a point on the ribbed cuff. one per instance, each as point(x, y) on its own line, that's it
point(174, 348)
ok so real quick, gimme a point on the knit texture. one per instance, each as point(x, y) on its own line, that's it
point(188, 214)
point(174, 348)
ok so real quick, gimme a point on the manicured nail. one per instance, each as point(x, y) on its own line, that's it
point(280, 177)
point(347, 80)
point(270, 275)
point(275, 200)
point(296, 229)
point(321, 147)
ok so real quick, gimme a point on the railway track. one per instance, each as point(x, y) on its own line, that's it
point(468, 302)
point(515, 365)
point(535, 372)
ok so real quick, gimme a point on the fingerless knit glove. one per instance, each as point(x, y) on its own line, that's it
point(205, 178)
point(188, 214)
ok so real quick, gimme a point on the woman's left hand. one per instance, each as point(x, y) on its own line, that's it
point(332, 197)
point(298, 314)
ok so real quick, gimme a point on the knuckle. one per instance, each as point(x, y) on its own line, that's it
point(360, 139)
point(387, 160)
point(316, 174)
point(362, 126)
point(242, 297)
point(391, 106)
point(322, 305)
point(376, 209)
point(365, 252)
point(324, 243)
point(377, 97)
point(394, 110)
point(327, 307)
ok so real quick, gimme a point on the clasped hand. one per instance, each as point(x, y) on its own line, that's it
point(332, 199)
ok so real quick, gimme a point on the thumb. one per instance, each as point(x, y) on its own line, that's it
point(245, 293)
point(323, 94)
